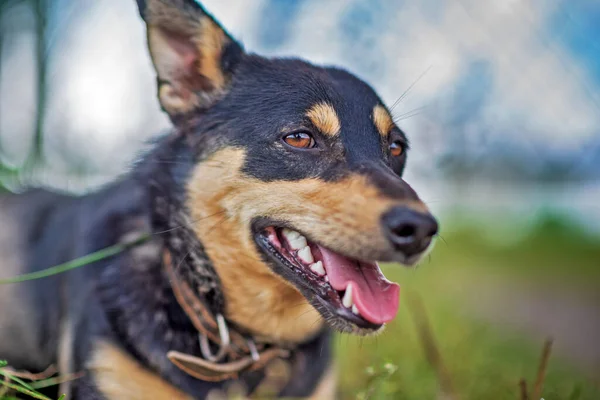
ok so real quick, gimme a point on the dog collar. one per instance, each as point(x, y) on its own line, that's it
point(236, 352)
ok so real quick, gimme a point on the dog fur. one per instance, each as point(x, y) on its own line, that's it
point(201, 193)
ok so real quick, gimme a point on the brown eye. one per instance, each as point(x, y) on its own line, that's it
point(396, 149)
point(301, 140)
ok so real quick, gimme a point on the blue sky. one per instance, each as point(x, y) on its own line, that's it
point(576, 26)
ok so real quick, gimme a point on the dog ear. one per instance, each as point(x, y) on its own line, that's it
point(194, 57)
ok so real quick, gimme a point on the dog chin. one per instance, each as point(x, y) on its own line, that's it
point(415, 260)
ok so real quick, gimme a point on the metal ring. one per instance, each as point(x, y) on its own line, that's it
point(253, 350)
point(223, 347)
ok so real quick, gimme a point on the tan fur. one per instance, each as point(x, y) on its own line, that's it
point(223, 201)
point(120, 377)
point(186, 48)
point(327, 387)
point(383, 120)
point(324, 117)
point(176, 101)
point(210, 42)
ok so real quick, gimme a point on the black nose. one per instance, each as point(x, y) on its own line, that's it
point(409, 231)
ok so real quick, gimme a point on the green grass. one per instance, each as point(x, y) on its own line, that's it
point(12, 387)
point(484, 361)
point(554, 250)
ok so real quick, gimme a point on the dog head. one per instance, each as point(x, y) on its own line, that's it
point(297, 187)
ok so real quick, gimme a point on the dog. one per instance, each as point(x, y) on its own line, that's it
point(248, 234)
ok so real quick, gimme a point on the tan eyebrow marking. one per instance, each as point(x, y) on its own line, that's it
point(324, 117)
point(382, 120)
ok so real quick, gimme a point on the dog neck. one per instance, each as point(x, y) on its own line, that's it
point(256, 301)
point(144, 312)
point(165, 170)
point(142, 309)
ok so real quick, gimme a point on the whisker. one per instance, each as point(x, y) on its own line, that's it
point(180, 263)
point(410, 113)
point(407, 116)
point(442, 239)
point(403, 95)
point(305, 312)
point(315, 322)
point(299, 304)
point(184, 226)
point(217, 224)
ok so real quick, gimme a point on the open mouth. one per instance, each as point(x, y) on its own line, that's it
point(341, 288)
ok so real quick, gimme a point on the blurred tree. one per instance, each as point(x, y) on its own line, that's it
point(8, 174)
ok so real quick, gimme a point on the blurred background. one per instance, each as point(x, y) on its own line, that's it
point(501, 102)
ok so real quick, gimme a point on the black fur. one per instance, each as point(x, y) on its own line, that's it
point(127, 299)
point(271, 96)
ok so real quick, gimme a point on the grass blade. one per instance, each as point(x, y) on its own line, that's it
point(26, 391)
point(541, 374)
point(523, 394)
point(79, 262)
point(432, 352)
point(16, 379)
point(56, 380)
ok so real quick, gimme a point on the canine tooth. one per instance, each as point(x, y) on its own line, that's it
point(290, 234)
point(347, 300)
point(296, 240)
point(305, 255)
point(317, 268)
point(355, 309)
point(326, 278)
point(298, 243)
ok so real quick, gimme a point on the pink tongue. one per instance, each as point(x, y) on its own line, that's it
point(375, 297)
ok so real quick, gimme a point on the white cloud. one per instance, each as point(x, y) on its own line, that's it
point(105, 89)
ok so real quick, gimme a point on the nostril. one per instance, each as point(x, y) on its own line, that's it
point(405, 231)
point(409, 231)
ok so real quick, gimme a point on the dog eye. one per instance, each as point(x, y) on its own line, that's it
point(396, 148)
point(301, 140)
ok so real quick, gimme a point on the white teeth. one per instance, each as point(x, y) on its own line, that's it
point(296, 240)
point(305, 255)
point(317, 268)
point(326, 278)
point(347, 300)
point(298, 243)
point(288, 233)
point(355, 309)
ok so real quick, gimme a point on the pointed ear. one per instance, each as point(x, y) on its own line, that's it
point(193, 56)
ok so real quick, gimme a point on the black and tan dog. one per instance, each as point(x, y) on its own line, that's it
point(266, 209)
